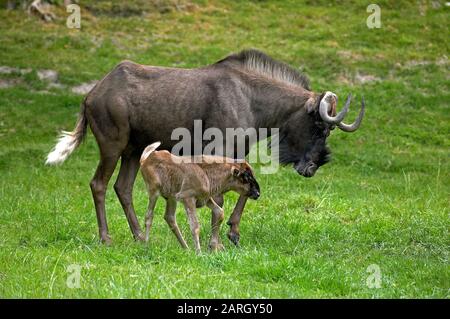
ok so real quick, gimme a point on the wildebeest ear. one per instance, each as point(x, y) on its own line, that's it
point(311, 105)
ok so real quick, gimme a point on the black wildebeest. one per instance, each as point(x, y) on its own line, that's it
point(135, 105)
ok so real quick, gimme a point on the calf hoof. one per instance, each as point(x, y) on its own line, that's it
point(140, 237)
point(234, 238)
point(216, 247)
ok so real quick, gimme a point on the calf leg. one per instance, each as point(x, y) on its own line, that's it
point(98, 185)
point(170, 217)
point(124, 189)
point(216, 221)
point(235, 220)
point(149, 216)
point(185, 194)
point(219, 200)
point(190, 205)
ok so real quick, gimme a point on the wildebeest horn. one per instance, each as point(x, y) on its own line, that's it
point(325, 105)
point(355, 125)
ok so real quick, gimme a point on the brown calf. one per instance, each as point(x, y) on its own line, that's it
point(194, 181)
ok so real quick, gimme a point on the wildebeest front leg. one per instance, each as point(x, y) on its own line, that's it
point(216, 221)
point(235, 219)
point(190, 205)
point(124, 189)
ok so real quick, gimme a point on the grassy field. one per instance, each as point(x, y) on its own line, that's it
point(383, 200)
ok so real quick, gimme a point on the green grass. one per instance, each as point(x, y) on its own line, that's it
point(384, 199)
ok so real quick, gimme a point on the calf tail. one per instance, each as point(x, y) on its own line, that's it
point(148, 150)
point(69, 141)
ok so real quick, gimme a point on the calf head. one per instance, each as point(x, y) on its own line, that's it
point(244, 181)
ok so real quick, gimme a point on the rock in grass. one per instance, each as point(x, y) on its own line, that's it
point(48, 75)
point(4, 69)
point(7, 83)
point(8, 70)
point(84, 88)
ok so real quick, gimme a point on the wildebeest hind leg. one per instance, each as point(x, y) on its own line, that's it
point(98, 187)
point(109, 124)
point(124, 189)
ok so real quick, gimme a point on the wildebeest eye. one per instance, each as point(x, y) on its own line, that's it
point(247, 177)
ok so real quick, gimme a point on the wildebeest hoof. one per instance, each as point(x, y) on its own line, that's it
point(106, 239)
point(234, 238)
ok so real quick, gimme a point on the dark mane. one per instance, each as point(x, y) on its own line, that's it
point(265, 65)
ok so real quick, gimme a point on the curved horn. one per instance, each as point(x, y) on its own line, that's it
point(325, 106)
point(355, 125)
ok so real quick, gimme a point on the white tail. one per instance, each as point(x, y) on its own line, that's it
point(67, 143)
point(148, 150)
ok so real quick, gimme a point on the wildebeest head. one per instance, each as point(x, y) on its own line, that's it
point(303, 137)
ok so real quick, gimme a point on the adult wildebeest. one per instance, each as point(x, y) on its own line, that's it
point(135, 105)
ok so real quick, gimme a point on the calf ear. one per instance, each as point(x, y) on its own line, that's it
point(246, 167)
